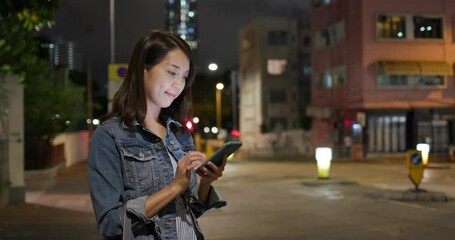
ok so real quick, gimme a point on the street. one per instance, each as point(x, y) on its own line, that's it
point(266, 200)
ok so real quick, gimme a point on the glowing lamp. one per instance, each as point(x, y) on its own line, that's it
point(424, 148)
point(323, 159)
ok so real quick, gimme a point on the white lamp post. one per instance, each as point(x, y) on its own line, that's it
point(323, 159)
point(219, 87)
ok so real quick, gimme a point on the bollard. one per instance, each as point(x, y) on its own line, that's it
point(424, 148)
point(323, 160)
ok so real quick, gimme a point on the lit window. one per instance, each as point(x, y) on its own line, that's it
point(391, 26)
point(426, 27)
point(334, 77)
point(276, 66)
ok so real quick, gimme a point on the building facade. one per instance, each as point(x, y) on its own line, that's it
point(383, 76)
point(181, 18)
point(268, 78)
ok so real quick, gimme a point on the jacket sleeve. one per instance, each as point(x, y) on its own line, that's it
point(105, 182)
point(214, 200)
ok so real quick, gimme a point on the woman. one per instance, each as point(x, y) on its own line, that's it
point(142, 161)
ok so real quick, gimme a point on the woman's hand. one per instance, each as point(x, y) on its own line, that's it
point(208, 176)
point(212, 173)
point(185, 165)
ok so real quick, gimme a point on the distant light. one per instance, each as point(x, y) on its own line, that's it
point(206, 129)
point(213, 66)
point(189, 125)
point(400, 34)
point(214, 130)
point(191, 14)
point(235, 133)
point(196, 120)
point(95, 121)
point(422, 29)
point(88, 121)
point(219, 86)
point(356, 126)
point(429, 28)
point(68, 123)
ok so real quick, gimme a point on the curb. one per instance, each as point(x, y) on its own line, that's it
point(411, 195)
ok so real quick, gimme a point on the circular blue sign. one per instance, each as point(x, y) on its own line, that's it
point(121, 72)
point(416, 159)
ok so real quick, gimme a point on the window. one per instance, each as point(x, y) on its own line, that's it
point(277, 96)
point(277, 37)
point(306, 41)
point(407, 26)
point(324, 80)
point(332, 78)
point(331, 35)
point(318, 3)
point(278, 124)
point(393, 80)
point(387, 133)
point(276, 66)
point(428, 80)
point(391, 26)
point(413, 74)
point(411, 81)
point(247, 42)
point(427, 27)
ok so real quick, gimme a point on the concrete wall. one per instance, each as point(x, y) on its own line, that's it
point(76, 146)
point(13, 167)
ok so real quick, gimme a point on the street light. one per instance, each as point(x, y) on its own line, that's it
point(219, 87)
point(213, 67)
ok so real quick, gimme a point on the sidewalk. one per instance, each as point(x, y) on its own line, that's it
point(55, 209)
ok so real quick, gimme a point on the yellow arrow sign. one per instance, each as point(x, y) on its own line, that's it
point(415, 166)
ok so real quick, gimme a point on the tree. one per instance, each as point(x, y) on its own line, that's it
point(50, 103)
point(20, 22)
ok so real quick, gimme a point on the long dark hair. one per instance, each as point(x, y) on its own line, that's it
point(129, 102)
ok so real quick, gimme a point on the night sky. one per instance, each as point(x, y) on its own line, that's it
point(86, 22)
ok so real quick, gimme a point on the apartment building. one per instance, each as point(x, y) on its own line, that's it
point(383, 76)
point(268, 77)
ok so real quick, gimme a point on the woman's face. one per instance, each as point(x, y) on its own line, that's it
point(165, 81)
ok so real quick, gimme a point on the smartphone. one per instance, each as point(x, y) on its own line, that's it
point(226, 150)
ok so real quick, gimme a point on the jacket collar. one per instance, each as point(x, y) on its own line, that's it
point(169, 123)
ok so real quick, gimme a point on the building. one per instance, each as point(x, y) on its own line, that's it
point(268, 69)
point(64, 54)
point(383, 76)
point(181, 18)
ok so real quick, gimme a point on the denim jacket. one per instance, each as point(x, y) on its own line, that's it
point(125, 166)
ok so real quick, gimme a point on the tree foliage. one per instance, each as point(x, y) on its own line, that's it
point(50, 102)
point(20, 22)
